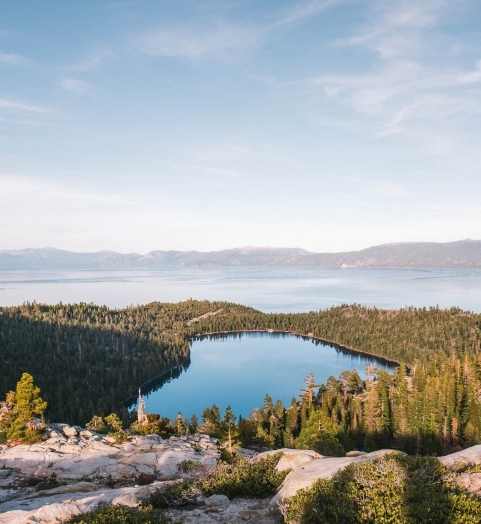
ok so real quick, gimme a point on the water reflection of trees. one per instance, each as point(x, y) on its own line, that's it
point(158, 382)
point(361, 356)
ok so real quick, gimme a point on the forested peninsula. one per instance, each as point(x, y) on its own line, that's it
point(87, 359)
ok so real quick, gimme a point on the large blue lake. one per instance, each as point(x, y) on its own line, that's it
point(242, 370)
point(267, 289)
point(239, 369)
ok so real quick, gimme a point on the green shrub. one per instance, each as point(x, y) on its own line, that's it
point(50, 483)
point(465, 508)
point(114, 425)
point(192, 468)
point(245, 479)
point(323, 441)
point(183, 493)
point(239, 479)
point(395, 489)
point(465, 467)
point(97, 424)
point(121, 515)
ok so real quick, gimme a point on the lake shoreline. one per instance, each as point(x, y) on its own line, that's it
point(238, 368)
point(166, 375)
point(336, 345)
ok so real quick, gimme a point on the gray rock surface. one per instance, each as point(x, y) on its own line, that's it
point(291, 458)
point(470, 455)
point(239, 511)
point(59, 508)
point(307, 472)
point(93, 470)
point(100, 459)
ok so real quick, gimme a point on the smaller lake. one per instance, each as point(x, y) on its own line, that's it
point(239, 369)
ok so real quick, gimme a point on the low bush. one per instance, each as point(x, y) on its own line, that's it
point(184, 493)
point(245, 479)
point(50, 483)
point(239, 479)
point(120, 515)
point(192, 468)
point(395, 489)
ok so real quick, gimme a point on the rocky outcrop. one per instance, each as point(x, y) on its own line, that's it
point(307, 471)
point(89, 470)
point(470, 455)
point(291, 458)
point(48, 508)
point(81, 462)
point(218, 509)
point(88, 456)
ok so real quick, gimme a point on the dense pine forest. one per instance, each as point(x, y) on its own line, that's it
point(88, 359)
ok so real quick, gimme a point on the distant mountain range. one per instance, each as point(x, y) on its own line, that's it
point(460, 254)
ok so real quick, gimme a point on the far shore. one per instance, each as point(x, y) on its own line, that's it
point(336, 345)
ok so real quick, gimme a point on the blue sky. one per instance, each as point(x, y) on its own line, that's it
point(330, 125)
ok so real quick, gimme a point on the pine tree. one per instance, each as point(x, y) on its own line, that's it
point(27, 405)
point(210, 421)
point(292, 423)
point(229, 432)
point(181, 427)
point(319, 434)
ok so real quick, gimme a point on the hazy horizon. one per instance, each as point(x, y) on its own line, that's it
point(248, 247)
point(331, 125)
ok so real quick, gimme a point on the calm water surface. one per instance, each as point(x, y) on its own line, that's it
point(266, 289)
point(238, 370)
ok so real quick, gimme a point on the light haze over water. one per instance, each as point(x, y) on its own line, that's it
point(265, 288)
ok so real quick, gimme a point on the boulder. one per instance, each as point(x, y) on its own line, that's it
point(467, 456)
point(132, 497)
point(305, 474)
point(60, 508)
point(70, 431)
point(85, 433)
point(291, 458)
point(217, 502)
point(355, 453)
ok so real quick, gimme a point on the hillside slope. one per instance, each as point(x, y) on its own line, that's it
point(460, 254)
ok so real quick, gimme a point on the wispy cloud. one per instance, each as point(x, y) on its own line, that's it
point(410, 79)
point(391, 189)
point(221, 152)
point(469, 77)
point(93, 60)
point(305, 10)
point(399, 86)
point(45, 192)
point(398, 29)
point(191, 44)
point(21, 107)
point(202, 174)
point(223, 38)
point(11, 59)
point(74, 85)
